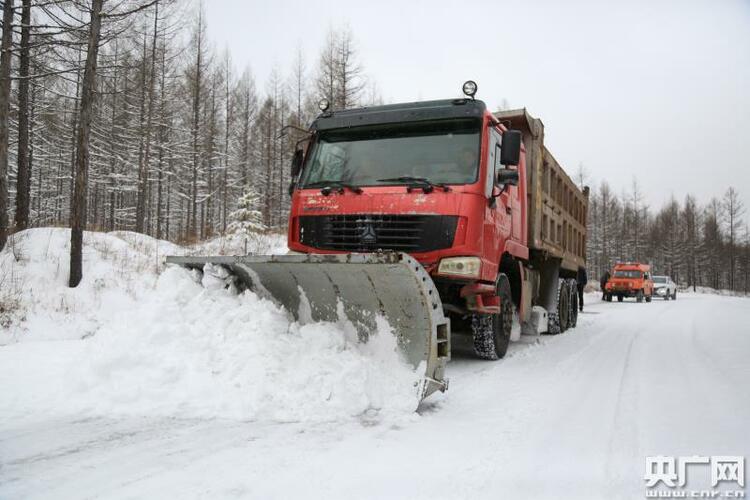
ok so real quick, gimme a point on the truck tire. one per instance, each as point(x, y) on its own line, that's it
point(573, 318)
point(559, 316)
point(491, 332)
point(619, 298)
point(609, 297)
point(639, 296)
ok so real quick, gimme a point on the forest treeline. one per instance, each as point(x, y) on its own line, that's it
point(177, 133)
point(698, 245)
point(121, 115)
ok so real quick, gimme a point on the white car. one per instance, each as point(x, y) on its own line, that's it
point(665, 288)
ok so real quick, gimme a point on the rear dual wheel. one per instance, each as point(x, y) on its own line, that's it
point(573, 290)
point(559, 318)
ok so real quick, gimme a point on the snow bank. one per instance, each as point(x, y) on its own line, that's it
point(34, 269)
point(239, 244)
point(705, 290)
point(139, 340)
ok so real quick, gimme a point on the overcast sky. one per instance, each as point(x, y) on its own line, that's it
point(659, 90)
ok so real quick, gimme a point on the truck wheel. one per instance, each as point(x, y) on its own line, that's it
point(609, 297)
point(559, 316)
point(491, 332)
point(619, 298)
point(639, 296)
point(573, 318)
point(648, 298)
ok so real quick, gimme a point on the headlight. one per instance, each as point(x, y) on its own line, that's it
point(461, 266)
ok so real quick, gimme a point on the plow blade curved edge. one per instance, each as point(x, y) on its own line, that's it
point(319, 287)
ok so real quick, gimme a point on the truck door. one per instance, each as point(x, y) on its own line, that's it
point(516, 213)
point(502, 209)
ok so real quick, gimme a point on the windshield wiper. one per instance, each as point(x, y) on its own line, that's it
point(417, 182)
point(328, 185)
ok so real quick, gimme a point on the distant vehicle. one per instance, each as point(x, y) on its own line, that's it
point(630, 279)
point(665, 288)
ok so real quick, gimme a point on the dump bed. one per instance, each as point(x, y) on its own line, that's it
point(557, 208)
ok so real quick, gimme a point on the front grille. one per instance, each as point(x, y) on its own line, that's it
point(373, 232)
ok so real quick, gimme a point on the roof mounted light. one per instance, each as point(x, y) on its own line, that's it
point(324, 104)
point(470, 88)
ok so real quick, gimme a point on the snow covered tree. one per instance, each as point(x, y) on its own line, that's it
point(247, 218)
point(5, 62)
point(78, 209)
point(733, 212)
point(340, 76)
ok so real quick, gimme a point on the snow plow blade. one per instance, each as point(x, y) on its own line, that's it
point(318, 286)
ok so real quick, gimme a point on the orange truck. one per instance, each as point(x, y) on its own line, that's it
point(630, 279)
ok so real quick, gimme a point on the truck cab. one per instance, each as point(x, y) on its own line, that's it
point(420, 178)
point(630, 279)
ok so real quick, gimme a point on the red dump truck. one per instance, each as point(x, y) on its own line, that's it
point(441, 216)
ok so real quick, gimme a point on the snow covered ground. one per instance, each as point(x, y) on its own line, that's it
point(141, 384)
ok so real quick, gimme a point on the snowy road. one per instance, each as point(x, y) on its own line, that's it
point(572, 416)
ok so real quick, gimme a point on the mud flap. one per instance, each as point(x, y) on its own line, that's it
point(317, 287)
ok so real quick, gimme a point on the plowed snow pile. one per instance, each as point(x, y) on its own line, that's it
point(137, 339)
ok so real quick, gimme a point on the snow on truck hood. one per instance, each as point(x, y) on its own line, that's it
point(135, 340)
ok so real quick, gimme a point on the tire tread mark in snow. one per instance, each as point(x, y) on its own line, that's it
point(618, 418)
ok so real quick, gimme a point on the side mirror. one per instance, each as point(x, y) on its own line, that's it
point(507, 177)
point(297, 163)
point(510, 151)
point(296, 167)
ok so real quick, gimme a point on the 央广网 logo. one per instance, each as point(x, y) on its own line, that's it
point(672, 473)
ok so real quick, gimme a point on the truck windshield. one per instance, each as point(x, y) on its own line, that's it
point(624, 273)
point(442, 152)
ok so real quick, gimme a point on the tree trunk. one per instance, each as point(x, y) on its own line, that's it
point(5, 47)
point(32, 122)
point(139, 213)
point(73, 134)
point(78, 216)
point(162, 139)
point(143, 170)
point(246, 141)
point(227, 121)
point(23, 183)
point(193, 227)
